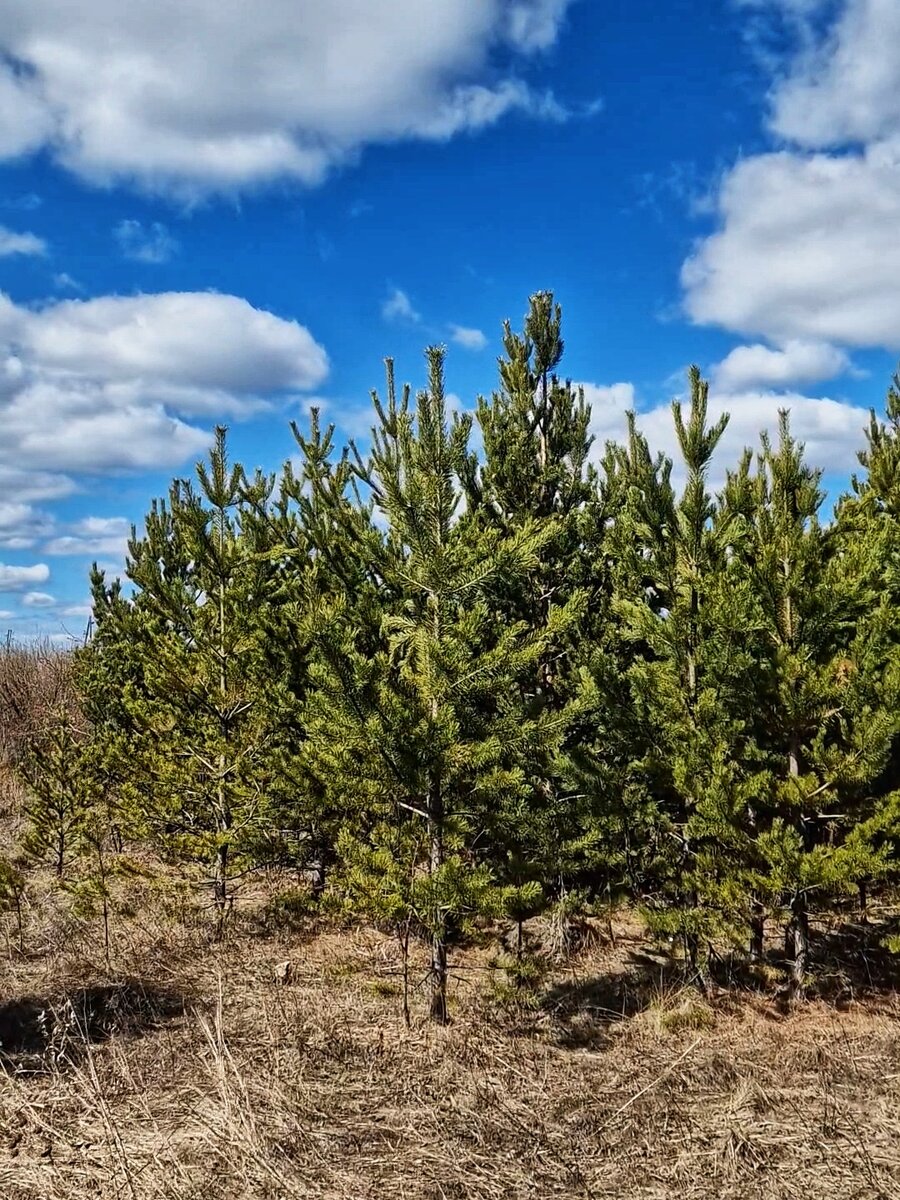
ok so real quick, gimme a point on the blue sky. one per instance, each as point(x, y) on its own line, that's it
point(212, 211)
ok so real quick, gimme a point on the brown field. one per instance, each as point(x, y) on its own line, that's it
point(185, 1070)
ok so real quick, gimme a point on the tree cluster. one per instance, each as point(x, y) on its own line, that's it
point(479, 667)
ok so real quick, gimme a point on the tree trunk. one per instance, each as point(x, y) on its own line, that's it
point(318, 878)
point(794, 757)
point(438, 1009)
point(757, 932)
point(404, 953)
point(439, 932)
point(863, 901)
point(220, 886)
point(798, 932)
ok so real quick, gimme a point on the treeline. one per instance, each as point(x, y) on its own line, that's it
point(482, 668)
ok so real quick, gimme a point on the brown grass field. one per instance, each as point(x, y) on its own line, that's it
point(184, 1069)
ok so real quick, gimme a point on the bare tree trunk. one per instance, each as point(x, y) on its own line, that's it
point(220, 886)
point(318, 878)
point(220, 880)
point(404, 953)
point(438, 1010)
point(798, 934)
point(439, 934)
point(796, 939)
point(106, 943)
point(757, 931)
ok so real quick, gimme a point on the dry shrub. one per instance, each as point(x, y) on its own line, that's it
point(36, 682)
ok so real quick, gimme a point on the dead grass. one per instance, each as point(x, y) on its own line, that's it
point(191, 1074)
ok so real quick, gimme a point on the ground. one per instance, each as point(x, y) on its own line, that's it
point(184, 1069)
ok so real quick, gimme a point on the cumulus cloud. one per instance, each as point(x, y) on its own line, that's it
point(76, 610)
point(831, 429)
point(609, 404)
point(191, 95)
point(794, 362)
point(843, 89)
point(807, 248)
point(18, 579)
point(38, 600)
point(20, 243)
point(21, 525)
point(31, 485)
point(26, 121)
point(116, 383)
point(469, 339)
point(94, 537)
point(151, 245)
point(806, 245)
point(397, 306)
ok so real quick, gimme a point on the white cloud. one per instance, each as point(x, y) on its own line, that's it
point(806, 245)
point(20, 243)
point(398, 307)
point(469, 339)
point(30, 485)
point(609, 404)
point(26, 121)
point(21, 524)
point(534, 24)
point(795, 362)
point(77, 610)
point(807, 248)
point(192, 95)
point(844, 89)
point(38, 600)
point(151, 245)
point(832, 430)
point(188, 340)
point(17, 579)
point(113, 383)
point(105, 537)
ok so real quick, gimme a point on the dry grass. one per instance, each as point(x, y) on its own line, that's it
point(185, 1072)
point(193, 1074)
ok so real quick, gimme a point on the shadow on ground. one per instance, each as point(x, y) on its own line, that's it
point(37, 1033)
point(848, 963)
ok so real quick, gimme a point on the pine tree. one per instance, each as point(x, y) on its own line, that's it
point(826, 701)
point(178, 680)
point(414, 718)
point(868, 532)
point(679, 612)
point(62, 791)
point(535, 433)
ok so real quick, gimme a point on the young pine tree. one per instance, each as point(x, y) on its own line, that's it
point(178, 678)
point(415, 719)
point(534, 468)
point(685, 621)
point(827, 694)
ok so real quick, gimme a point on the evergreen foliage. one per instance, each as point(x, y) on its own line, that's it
point(453, 685)
point(178, 680)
